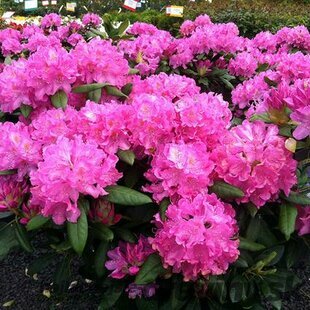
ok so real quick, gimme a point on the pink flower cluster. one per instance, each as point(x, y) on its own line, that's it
point(198, 237)
point(254, 158)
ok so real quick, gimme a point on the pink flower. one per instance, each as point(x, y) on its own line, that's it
point(13, 89)
point(142, 28)
point(303, 220)
point(127, 258)
point(172, 87)
point(99, 61)
point(51, 20)
point(106, 124)
point(91, 19)
point(254, 158)
point(71, 167)
point(204, 117)
point(11, 192)
point(179, 170)
point(244, 64)
point(302, 117)
point(17, 149)
point(50, 70)
point(187, 28)
point(103, 211)
point(198, 237)
point(147, 290)
point(155, 115)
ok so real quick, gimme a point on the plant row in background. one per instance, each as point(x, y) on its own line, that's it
point(251, 17)
point(175, 168)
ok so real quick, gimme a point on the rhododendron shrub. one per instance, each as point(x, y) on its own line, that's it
point(176, 169)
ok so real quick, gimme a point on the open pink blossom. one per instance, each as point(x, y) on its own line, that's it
point(253, 157)
point(71, 167)
point(198, 237)
point(179, 170)
point(127, 258)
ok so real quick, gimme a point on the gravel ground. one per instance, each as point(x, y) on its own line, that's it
point(27, 293)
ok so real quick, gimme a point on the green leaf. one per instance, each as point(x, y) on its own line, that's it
point(282, 281)
point(7, 60)
point(8, 240)
point(163, 208)
point(238, 289)
point(62, 275)
point(5, 214)
point(37, 222)
point(146, 304)
point(41, 263)
point(8, 172)
point(22, 237)
point(60, 100)
point(100, 258)
point(127, 156)
point(287, 219)
point(78, 232)
point(26, 110)
point(113, 91)
point(266, 237)
point(270, 82)
point(226, 191)
point(127, 89)
point(123, 27)
point(133, 71)
point(272, 256)
point(262, 67)
point(102, 232)
point(253, 229)
point(62, 246)
point(261, 117)
point(250, 245)
point(150, 270)
point(126, 196)
point(180, 294)
point(86, 88)
point(95, 95)
point(297, 198)
point(218, 288)
point(111, 295)
point(193, 304)
point(125, 234)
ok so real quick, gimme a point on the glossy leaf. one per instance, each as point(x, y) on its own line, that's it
point(60, 99)
point(150, 270)
point(163, 208)
point(8, 240)
point(126, 196)
point(37, 222)
point(287, 219)
point(86, 88)
point(100, 258)
point(102, 232)
point(218, 288)
point(78, 232)
point(238, 289)
point(8, 172)
point(250, 245)
point(297, 198)
point(127, 156)
point(22, 237)
point(226, 191)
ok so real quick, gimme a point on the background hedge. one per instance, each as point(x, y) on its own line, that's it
point(251, 16)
